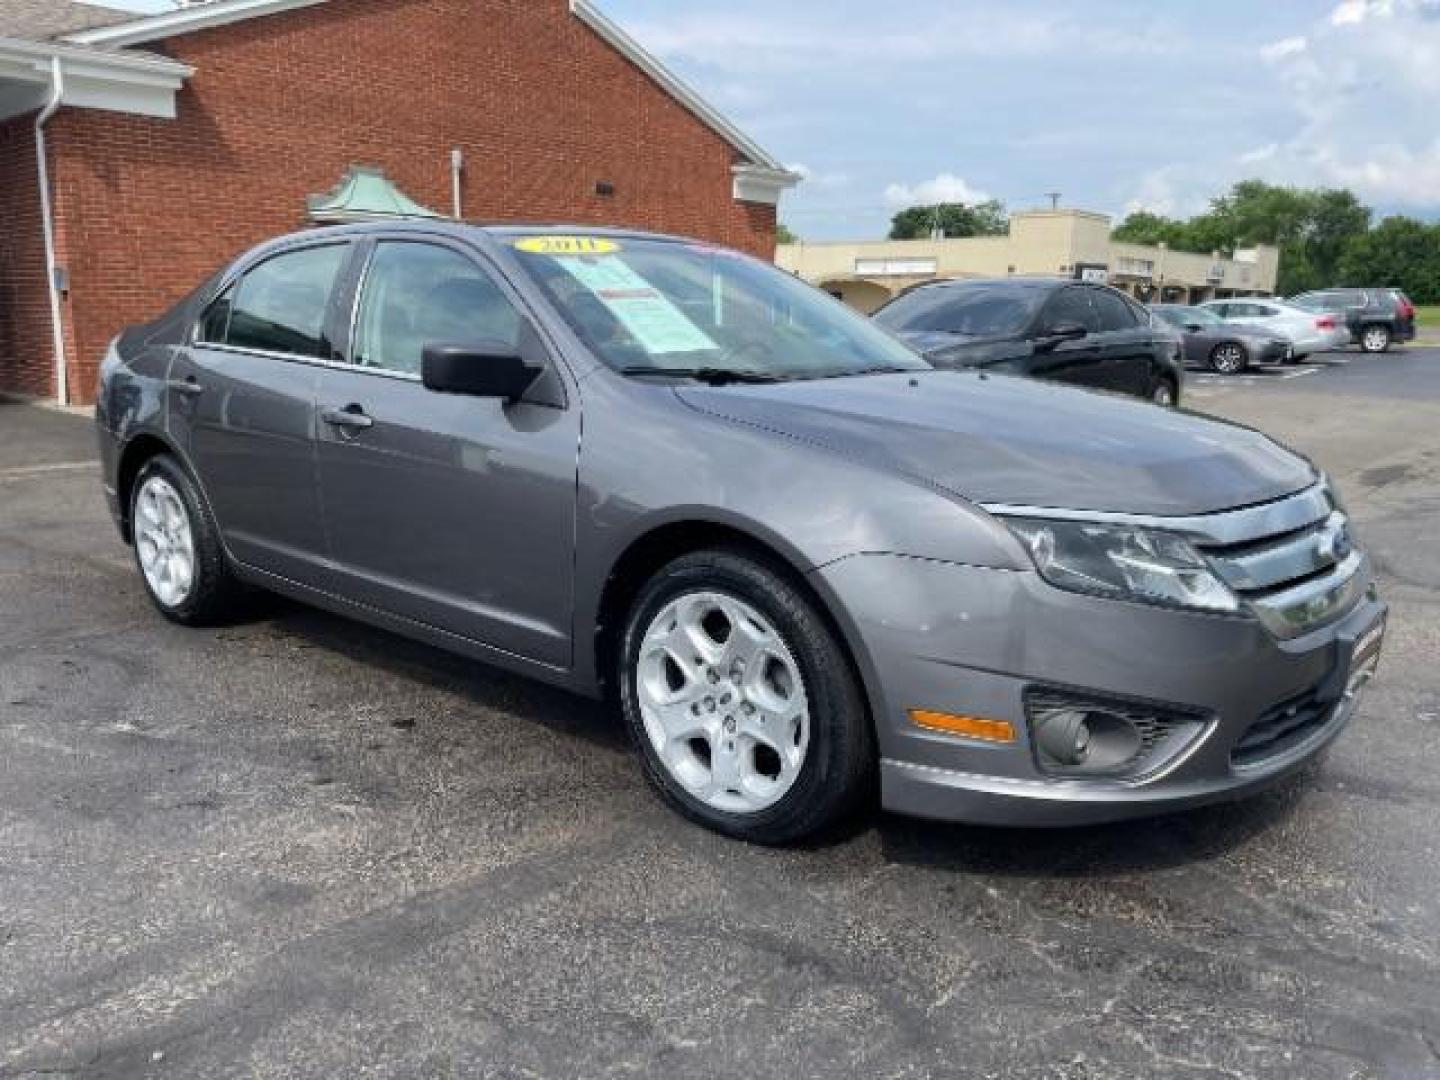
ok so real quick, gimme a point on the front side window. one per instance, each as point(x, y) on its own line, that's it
point(280, 305)
point(1112, 311)
point(419, 294)
point(1071, 307)
point(657, 307)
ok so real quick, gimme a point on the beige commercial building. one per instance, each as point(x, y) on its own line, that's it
point(1069, 243)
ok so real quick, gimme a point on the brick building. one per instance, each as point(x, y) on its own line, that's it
point(169, 143)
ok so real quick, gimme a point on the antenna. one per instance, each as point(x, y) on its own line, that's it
point(1054, 197)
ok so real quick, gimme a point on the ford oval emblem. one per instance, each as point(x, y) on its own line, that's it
point(1334, 543)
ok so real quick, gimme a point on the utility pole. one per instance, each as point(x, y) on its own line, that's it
point(1054, 197)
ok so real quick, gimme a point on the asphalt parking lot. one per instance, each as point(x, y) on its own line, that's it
point(299, 847)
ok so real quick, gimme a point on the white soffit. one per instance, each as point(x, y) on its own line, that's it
point(121, 82)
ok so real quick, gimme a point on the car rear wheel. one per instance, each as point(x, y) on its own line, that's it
point(747, 715)
point(1229, 358)
point(177, 546)
point(1375, 339)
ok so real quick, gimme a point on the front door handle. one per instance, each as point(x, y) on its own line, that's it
point(187, 387)
point(351, 416)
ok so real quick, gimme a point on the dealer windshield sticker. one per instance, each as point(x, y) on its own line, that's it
point(567, 245)
point(657, 324)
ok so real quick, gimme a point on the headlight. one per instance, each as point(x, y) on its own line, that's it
point(1123, 562)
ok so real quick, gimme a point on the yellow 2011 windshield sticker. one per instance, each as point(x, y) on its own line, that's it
point(567, 245)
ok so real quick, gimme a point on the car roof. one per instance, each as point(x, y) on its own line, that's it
point(996, 282)
point(502, 229)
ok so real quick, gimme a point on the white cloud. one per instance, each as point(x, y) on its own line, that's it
point(1354, 12)
point(947, 187)
point(1279, 50)
point(1259, 154)
point(1172, 191)
point(820, 179)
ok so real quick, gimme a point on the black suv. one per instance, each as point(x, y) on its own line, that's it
point(1088, 335)
point(1375, 317)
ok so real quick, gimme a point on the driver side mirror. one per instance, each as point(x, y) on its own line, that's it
point(1060, 332)
point(1194, 327)
point(481, 369)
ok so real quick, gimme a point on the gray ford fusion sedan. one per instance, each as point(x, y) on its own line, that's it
point(802, 561)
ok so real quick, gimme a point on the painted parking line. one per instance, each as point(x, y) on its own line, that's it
point(33, 472)
point(1254, 380)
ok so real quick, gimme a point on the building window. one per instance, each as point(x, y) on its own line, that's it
point(1133, 267)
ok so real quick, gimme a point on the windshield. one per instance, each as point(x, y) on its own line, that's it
point(656, 307)
point(976, 310)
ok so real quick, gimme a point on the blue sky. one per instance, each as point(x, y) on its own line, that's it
point(1117, 104)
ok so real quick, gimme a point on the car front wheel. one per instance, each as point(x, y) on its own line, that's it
point(1165, 394)
point(746, 712)
point(177, 546)
point(1375, 339)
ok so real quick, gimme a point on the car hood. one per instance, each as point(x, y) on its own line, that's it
point(1002, 439)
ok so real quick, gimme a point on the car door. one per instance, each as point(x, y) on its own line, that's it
point(1126, 346)
point(241, 406)
point(453, 511)
point(1074, 361)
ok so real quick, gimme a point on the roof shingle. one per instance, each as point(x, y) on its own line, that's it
point(45, 20)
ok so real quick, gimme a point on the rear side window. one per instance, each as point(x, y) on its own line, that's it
point(1072, 306)
point(1112, 311)
point(280, 305)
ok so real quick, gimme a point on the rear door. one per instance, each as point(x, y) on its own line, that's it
point(453, 511)
point(1078, 361)
point(242, 406)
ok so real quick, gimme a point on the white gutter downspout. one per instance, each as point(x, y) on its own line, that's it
point(47, 222)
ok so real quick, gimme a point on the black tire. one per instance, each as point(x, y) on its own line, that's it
point(838, 772)
point(1375, 338)
point(1165, 393)
point(1223, 358)
point(214, 594)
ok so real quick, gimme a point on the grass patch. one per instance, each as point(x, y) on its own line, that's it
point(1428, 317)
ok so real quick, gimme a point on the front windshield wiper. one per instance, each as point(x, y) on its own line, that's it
point(712, 376)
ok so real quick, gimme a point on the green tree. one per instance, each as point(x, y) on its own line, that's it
point(1399, 252)
point(1311, 227)
point(783, 235)
point(954, 220)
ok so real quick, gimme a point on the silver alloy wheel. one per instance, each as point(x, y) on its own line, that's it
point(1375, 339)
point(1163, 396)
point(1228, 358)
point(723, 702)
point(164, 541)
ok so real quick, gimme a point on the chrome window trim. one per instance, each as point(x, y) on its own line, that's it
point(314, 361)
point(1283, 515)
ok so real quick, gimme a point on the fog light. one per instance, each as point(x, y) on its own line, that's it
point(1079, 736)
point(1087, 740)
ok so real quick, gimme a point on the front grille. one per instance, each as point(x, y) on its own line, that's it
point(1295, 566)
point(1281, 728)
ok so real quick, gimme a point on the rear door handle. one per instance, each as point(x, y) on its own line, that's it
point(188, 387)
point(351, 416)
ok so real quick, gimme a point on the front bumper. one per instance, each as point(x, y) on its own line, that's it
point(972, 641)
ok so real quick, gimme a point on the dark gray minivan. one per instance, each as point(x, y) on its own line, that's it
point(805, 563)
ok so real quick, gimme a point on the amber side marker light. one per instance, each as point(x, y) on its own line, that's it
point(973, 727)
